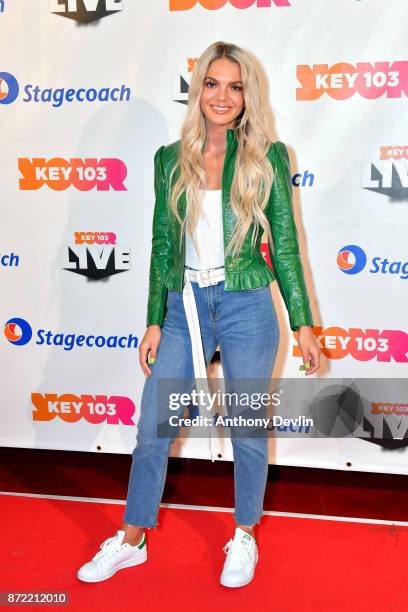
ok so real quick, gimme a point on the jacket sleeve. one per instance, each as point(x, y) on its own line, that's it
point(284, 253)
point(161, 251)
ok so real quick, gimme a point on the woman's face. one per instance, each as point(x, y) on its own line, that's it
point(222, 97)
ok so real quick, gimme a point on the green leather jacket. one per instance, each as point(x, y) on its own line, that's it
point(247, 271)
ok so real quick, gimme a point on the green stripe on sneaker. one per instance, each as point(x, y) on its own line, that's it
point(143, 542)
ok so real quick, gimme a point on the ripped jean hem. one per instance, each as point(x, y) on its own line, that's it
point(139, 524)
point(250, 522)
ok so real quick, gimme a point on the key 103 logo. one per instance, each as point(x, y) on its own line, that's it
point(388, 345)
point(214, 5)
point(71, 408)
point(343, 80)
point(106, 174)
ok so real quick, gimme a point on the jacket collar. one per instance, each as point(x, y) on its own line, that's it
point(232, 138)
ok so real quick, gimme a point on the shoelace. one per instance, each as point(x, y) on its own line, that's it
point(236, 557)
point(103, 546)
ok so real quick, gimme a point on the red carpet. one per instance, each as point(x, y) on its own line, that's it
point(305, 564)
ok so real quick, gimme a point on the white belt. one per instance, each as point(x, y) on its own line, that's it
point(204, 278)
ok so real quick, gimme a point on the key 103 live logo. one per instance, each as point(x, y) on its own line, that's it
point(106, 174)
point(85, 11)
point(389, 175)
point(95, 255)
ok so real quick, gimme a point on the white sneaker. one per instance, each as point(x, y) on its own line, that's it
point(112, 557)
point(242, 557)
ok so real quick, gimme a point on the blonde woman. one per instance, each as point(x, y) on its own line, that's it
point(217, 190)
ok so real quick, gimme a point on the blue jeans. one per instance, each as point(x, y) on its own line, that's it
point(245, 327)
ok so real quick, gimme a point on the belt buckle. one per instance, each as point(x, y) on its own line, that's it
point(213, 273)
point(206, 277)
point(201, 278)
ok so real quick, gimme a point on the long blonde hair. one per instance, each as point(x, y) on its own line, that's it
point(253, 173)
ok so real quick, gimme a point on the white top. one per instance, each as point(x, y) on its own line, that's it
point(209, 234)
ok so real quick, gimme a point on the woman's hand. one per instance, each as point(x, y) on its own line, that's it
point(309, 348)
point(148, 347)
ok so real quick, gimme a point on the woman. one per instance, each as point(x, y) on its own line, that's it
point(217, 189)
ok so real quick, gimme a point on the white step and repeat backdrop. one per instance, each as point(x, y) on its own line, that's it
point(88, 91)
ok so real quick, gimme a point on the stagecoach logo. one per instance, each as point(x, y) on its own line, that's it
point(9, 88)
point(9, 260)
point(19, 332)
point(389, 176)
point(85, 11)
point(352, 259)
point(57, 96)
point(95, 255)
